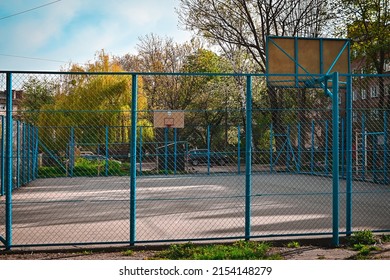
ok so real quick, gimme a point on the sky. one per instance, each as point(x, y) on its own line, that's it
point(47, 35)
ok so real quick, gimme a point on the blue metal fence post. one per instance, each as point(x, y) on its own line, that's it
point(2, 172)
point(28, 144)
point(9, 162)
point(299, 147)
point(312, 148)
point(106, 151)
point(166, 150)
point(385, 150)
point(17, 153)
point(208, 149)
point(24, 161)
point(71, 151)
point(133, 158)
point(363, 147)
point(374, 158)
point(336, 171)
point(174, 150)
point(140, 149)
point(238, 150)
point(342, 148)
point(271, 148)
point(36, 152)
point(349, 156)
point(326, 148)
point(248, 158)
point(288, 157)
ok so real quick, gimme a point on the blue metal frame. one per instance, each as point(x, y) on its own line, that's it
point(312, 148)
point(342, 148)
point(133, 158)
point(17, 153)
point(349, 140)
point(71, 152)
point(271, 148)
point(140, 150)
point(166, 150)
point(2, 171)
point(299, 156)
point(27, 142)
point(36, 152)
point(208, 149)
point(238, 150)
point(8, 163)
point(174, 150)
point(336, 171)
point(385, 150)
point(248, 158)
point(326, 148)
point(106, 151)
point(363, 147)
point(23, 154)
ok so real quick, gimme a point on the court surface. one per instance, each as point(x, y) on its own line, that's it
point(97, 209)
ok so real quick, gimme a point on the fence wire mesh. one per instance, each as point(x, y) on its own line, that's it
point(195, 177)
point(371, 144)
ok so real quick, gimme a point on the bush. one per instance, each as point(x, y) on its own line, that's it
point(50, 172)
point(364, 237)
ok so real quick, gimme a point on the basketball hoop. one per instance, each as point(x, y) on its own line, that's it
point(169, 122)
point(168, 119)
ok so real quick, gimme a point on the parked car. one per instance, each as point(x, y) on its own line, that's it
point(200, 156)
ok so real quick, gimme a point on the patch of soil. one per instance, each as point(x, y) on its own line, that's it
point(306, 251)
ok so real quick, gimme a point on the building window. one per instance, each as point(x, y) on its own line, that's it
point(354, 95)
point(374, 91)
point(364, 94)
point(354, 116)
point(375, 114)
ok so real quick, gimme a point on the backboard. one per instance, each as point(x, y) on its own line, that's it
point(297, 62)
point(168, 118)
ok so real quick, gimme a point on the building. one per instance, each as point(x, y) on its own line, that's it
point(16, 101)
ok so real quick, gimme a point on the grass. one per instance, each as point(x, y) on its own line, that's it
point(362, 241)
point(241, 250)
point(293, 244)
point(128, 253)
point(364, 237)
point(385, 238)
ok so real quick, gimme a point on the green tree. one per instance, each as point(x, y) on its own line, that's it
point(246, 24)
point(89, 103)
point(36, 94)
point(368, 26)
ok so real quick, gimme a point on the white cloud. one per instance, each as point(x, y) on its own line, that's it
point(75, 30)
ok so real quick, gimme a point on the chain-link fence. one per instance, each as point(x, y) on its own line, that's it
point(102, 158)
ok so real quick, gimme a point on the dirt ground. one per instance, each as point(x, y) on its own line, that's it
point(308, 250)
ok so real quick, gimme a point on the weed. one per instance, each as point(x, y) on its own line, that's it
point(128, 253)
point(86, 252)
point(385, 238)
point(364, 237)
point(241, 250)
point(293, 244)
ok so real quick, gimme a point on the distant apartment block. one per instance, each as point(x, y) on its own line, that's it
point(16, 100)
